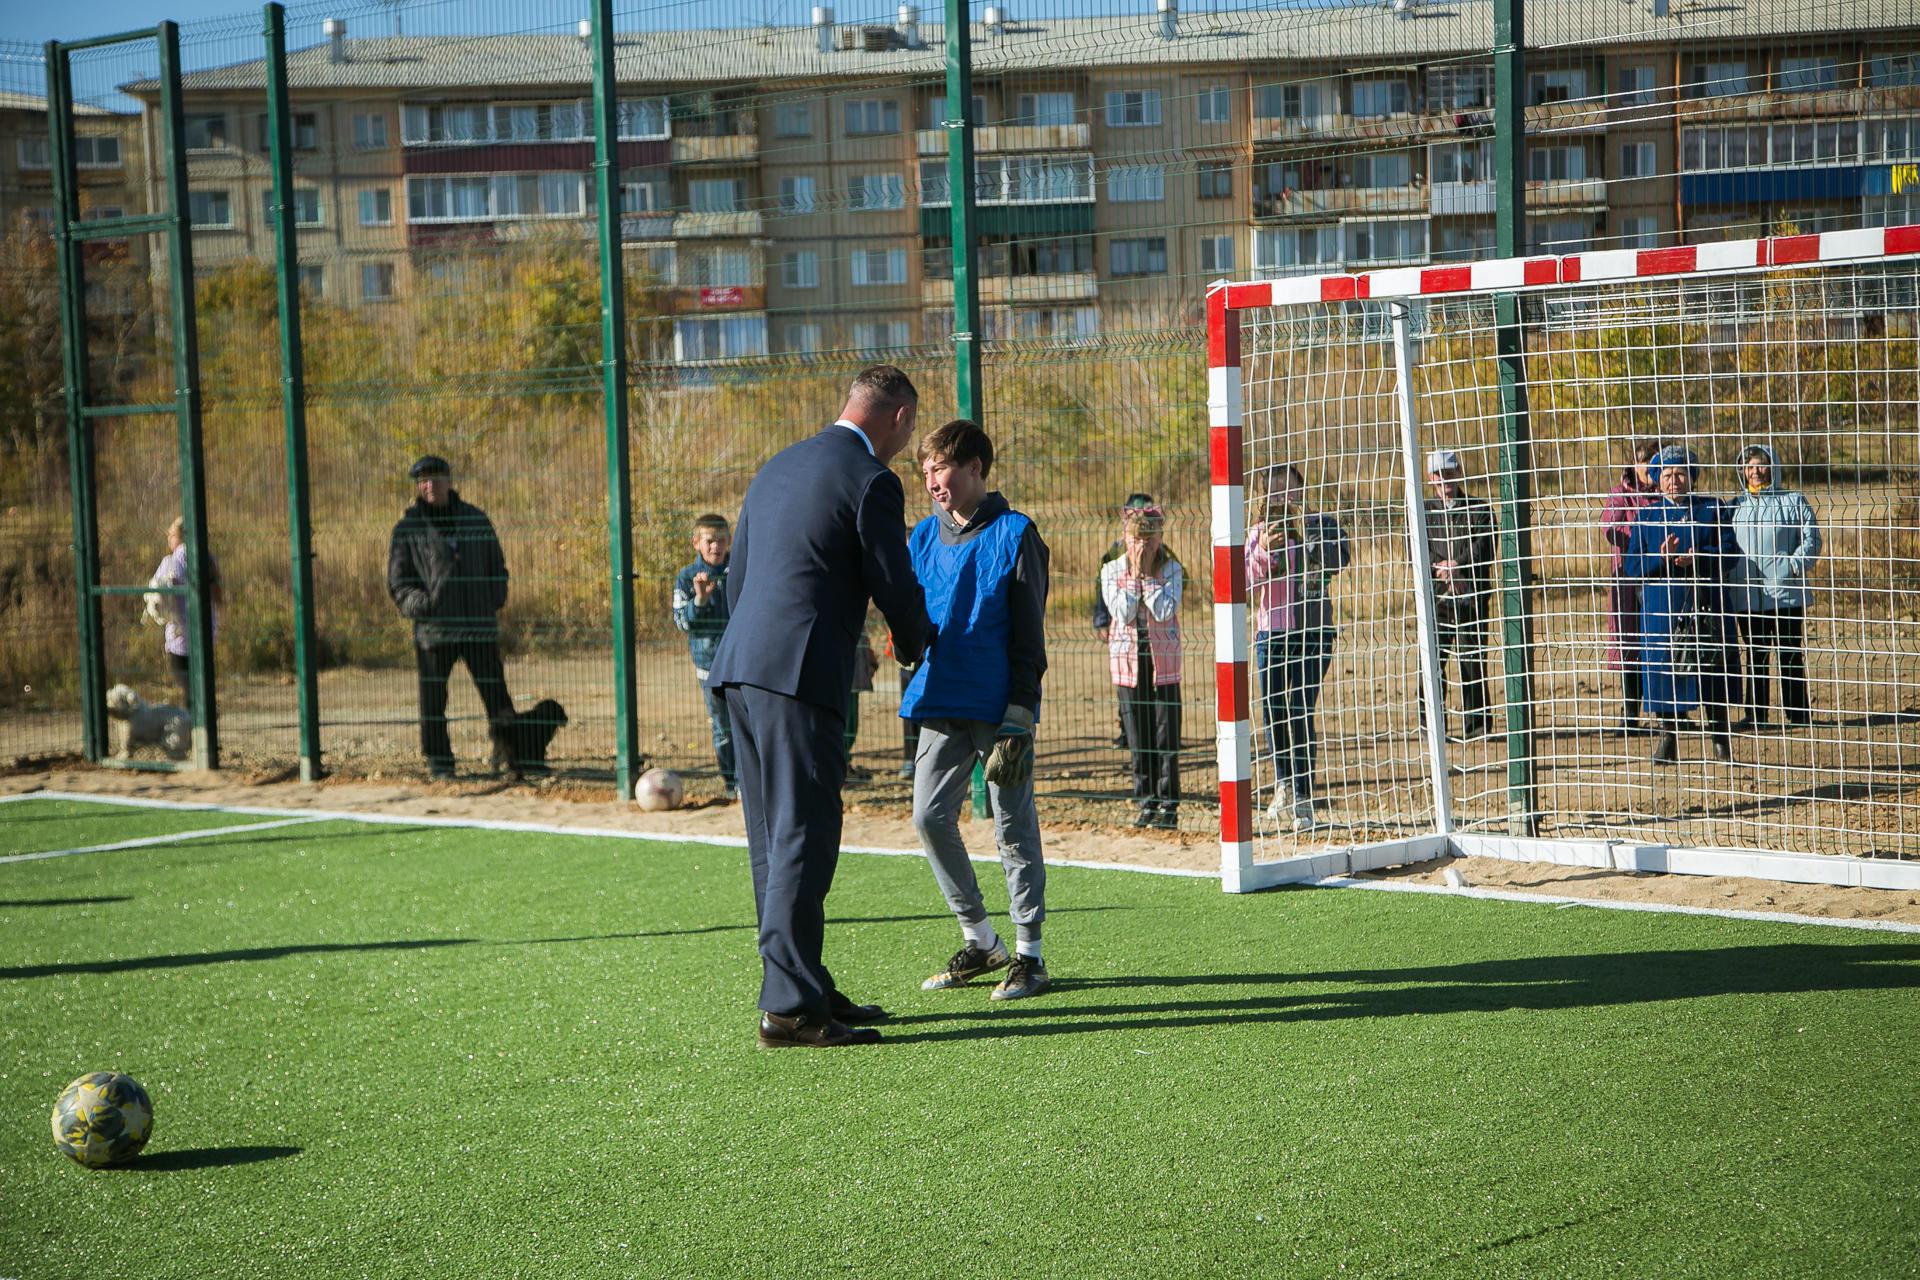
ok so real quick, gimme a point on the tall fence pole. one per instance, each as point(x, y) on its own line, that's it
point(293, 389)
point(1516, 430)
point(613, 370)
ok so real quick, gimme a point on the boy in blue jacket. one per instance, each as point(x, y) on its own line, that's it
point(976, 696)
point(700, 610)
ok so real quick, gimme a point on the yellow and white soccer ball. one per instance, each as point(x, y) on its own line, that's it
point(102, 1119)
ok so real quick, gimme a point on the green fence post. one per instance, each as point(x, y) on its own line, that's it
point(613, 368)
point(73, 357)
point(1516, 431)
point(968, 402)
point(293, 389)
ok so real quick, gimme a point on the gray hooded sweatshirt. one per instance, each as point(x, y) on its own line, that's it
point(1779, 540)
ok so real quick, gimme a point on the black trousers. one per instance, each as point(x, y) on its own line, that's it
point(1781, 631)
point(792, 761)
point(435, 664)
point(1466, 644)
point(1150, 714)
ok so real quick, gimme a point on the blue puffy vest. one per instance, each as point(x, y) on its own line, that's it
point(965, 676)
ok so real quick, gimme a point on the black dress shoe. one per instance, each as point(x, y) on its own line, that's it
point(847, 1012)
point(810, 1031)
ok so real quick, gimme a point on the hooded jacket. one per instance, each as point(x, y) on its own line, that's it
point(1779, 540)
point(447, 573)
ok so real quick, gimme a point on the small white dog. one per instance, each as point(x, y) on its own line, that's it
point(155, 724)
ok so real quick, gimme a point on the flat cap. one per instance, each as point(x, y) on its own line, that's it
point(429, 466)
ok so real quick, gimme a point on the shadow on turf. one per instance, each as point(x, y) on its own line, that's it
point(735, 928)
point(220, 957)
point(204, 1158)
point(1539, 983)
point(61, 902)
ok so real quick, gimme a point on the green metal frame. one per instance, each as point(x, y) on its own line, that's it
point(613, 368)
point(293, 388)
point(1516, 429)
point(70, 233)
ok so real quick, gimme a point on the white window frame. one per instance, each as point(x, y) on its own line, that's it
point(1404, 232)
point(1556, 163)
point(1794, 72)
point(1894, 70)
point(310, 198)
point(1640, 233)
point(701, 191)
point(370, 131)
point(882, 335)
point(1142, 248)
point(1214, 105)
point(1454, 156)
point(203, 204)
point(642, 120)
point(1560, 84)
point(793, 120)
point(1136, 183)
point(1206, 182)
point(1719, 79)
point(639, 199)
point(871, 117)
point(313, 278)
point(802, 337)
point(376, 206)
point(214, 137)
point(1640, 94)
point(86, 151)
point(800, 269)
point(728, 331)
point(1397, 93)
point(381, 275)
point(33, 151)
point(892, 264)
point(1396, 167)
point(1639, 159)
point(1133, 108)
point(1216, 253)
point(796, 193)
point(876, 192)
point(1053, 110)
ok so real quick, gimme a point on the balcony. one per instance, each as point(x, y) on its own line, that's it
point(1406, 126)
point(710, 299)
point(1742, 108)
point(734, 223)
point(646, 226)
point(1582, 115)
point(1080, 286)
point(1450, 198)
point(1011, 137)
point(727, 148)
point(1576, 193)
point(1305, 204)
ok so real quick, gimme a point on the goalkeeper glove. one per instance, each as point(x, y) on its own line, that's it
point(1010, 763)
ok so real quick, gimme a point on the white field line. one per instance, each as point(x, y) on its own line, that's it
point(175, 838)
point(740, 842)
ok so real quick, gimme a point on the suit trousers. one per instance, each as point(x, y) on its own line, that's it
point(792, 760)
point(1466, 643)
point(435, 665)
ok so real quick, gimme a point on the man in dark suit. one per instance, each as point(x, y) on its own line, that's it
point(822, 530)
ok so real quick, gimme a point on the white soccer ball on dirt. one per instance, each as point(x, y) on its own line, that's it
point(659, 789)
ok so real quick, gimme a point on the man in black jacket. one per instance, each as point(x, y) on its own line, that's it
point(446, 572)
point(1461, 550)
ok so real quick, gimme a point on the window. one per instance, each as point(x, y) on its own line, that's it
point(1067, 256)
point(882, 335)
point(660, 262)
point(1056, 322)
point(1045, 109)
point(793, 120)
point(1894, 71)
point(1033, 179)
point(714, 195)
point(1460, 88)
point(1639, 160)
point(209, 209)
point(1386, 241)
point(1556, 164)
point(1394, 169)
point(96, 151)
point(455, 122)
point(304, 130)
point(643, 119)
point(1892, 139)
point(376, 207)
point(1136, 183)
point(1563, 236)
point(721, 338)
point(1463, 244)
point(306, 206)
point(1462, 162)
point(1379, 97)
point(487, 197)
point(1133, 108)
point(1216, 253)
point(313, 280)
point(1634, 86)
point(376, 281)
point(1290, 101)
point(1295, 249)
point(796, 195)
point(1214, 105)
point(1569, 85)
point(640, 198)
point(879, 266)
point(935, 190)
point(34, 153)
point(800, 269)
point(206, 130)
point(876, 191)
point(803, 338)
point(370, 131)
point(1142, 257)
point(1216, 180)
point(1712, 79)
point(536, 122)
point(720, 268)
point(1808, 75)
point(937, 111)
point(872, 115)
point(1639, 233)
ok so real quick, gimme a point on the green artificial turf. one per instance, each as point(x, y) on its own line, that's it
point(403, 1052)
point(32, 826)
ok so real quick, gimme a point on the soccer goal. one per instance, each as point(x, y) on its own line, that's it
point(1487, 662)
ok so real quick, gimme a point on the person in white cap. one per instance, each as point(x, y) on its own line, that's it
point(1460, 554)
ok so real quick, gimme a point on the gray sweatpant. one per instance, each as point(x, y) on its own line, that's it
point(941, 772)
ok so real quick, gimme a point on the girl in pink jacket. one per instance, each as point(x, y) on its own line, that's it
point(1142, 592)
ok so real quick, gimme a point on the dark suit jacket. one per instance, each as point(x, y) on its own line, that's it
point(822, 529)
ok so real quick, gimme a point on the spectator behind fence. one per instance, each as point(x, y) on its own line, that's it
point(171, 609)
point(1102, 619)
point(1292, 553)
point(1634, 492)
point(1679, 552)
point(700, 610)
point(1142, 593)
point(1460, 553)
point(1778, 537)
point(446, 572)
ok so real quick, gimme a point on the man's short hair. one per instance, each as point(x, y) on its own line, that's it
point(1644, 450)
point(711, 520)
point(958, 443)
point(884, 387)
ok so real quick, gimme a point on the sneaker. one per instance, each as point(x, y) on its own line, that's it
point(1166, 820)
point(1026, 976)
point(1302, 813)
point(968, 963)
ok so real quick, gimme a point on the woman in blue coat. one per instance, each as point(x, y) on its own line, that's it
point(1681, 549)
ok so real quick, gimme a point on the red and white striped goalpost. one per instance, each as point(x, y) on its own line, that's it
point(1226, 303)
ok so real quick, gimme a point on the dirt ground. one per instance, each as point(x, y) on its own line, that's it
point(879, 817)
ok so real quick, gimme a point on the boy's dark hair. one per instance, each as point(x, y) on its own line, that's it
point(959, 442)
point(883, 386)
point(711, 520)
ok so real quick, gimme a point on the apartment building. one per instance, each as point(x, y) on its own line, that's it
point(787, 190)
point(110, 163)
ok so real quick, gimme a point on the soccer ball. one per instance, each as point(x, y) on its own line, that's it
point(659, 789)
point(102, 1119)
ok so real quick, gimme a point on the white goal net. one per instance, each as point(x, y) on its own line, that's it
point(1648, 535)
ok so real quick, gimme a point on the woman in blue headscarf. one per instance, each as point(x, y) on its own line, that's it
point(1680, 551)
